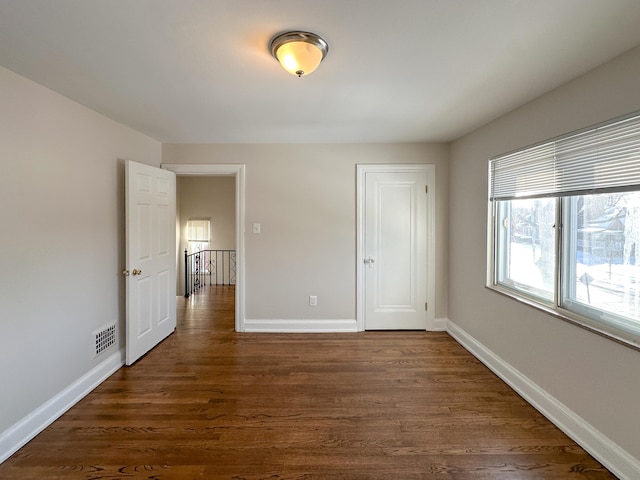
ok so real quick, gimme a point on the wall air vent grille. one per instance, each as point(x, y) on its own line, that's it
point(105, 338)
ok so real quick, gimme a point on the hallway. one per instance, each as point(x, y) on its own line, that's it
point(211, 403)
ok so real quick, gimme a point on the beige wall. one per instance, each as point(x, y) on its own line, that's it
point(62, 238)
point(595, 377)
point(304, 197)
point(206, 197)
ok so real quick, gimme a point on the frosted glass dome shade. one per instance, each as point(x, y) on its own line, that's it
point(299, 53)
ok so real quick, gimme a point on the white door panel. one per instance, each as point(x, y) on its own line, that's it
point(150, 214)
point(395, 245)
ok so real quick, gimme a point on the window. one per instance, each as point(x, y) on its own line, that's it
point(198, 235)
point(565, 227)
point(526, 243)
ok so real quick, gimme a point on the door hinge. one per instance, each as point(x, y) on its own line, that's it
point(426, 189)
point(426, 306)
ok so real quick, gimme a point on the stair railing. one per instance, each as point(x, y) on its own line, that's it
point(217, 267)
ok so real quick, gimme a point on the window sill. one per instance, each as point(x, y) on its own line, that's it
point(607, 331)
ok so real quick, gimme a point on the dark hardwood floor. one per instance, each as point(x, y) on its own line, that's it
point(211, 403)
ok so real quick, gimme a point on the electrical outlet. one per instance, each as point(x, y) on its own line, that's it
point(313, 301)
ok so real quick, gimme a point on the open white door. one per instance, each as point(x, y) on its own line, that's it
point(395, 264)
point(150, 203)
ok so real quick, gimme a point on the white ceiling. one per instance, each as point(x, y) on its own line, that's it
point(397, 70)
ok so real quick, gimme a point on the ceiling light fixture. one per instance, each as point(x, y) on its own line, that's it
point(298, 52)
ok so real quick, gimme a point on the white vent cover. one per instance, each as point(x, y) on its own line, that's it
point(105, 338)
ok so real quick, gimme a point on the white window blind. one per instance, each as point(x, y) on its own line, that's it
point(198, 231)
point(602, 158)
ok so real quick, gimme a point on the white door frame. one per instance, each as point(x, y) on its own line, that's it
point(238, 171)
point(361, 171)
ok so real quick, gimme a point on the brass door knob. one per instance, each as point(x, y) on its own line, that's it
point(136, 271)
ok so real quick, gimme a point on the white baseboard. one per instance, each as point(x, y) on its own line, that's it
point(440, 325)
point(301, 326)
point(317, 326)
point(612, 456)
point(16, 436)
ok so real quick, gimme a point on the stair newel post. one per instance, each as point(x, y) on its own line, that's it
point(186, 274)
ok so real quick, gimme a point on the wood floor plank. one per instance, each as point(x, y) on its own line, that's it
point(211, 403)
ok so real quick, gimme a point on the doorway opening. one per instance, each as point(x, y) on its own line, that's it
point(226, 222)
point(206, 233)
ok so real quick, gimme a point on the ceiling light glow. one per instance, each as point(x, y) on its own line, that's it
point(299, 52)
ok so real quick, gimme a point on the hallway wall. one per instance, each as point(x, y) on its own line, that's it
point(304, 197)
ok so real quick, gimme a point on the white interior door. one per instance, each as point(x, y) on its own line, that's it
point(150, 257)
point(395, 246)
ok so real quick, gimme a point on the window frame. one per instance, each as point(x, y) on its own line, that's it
point(530, 291)
point(607, 329)
point(207, 240)
point(602, 322)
